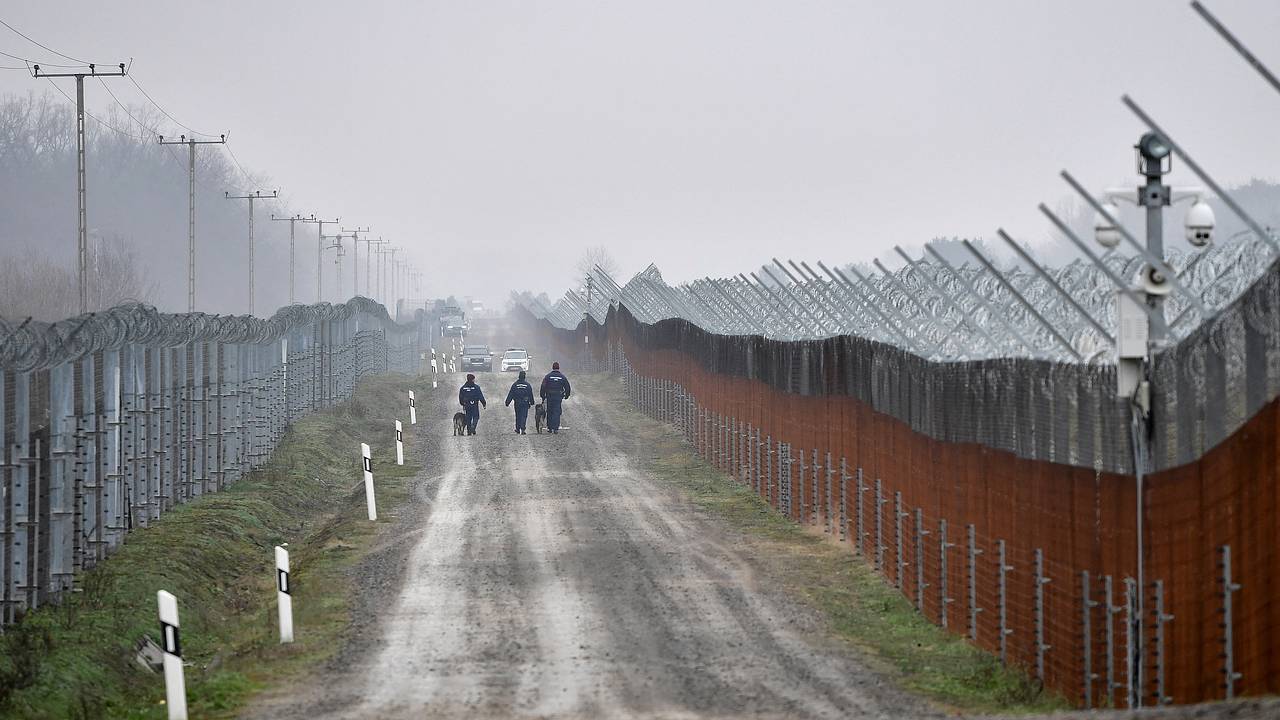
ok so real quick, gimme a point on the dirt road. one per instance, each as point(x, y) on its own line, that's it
point(545, 576)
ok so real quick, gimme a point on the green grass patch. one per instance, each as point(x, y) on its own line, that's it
point(860, 607)
point(76, 659)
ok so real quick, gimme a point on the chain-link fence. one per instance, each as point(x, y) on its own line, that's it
point(109, 420)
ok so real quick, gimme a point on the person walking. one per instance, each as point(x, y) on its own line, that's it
point(521, 393)
point(471, 398)
point(554, 390)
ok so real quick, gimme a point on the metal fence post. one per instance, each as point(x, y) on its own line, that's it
point(1229, 588)
point(1110, 636)
point(768, 469)
point(920, 533)
point(1161, 619)
point(61, 487)
point(844, 512)
point(815, 505)
point(1040, 581)
point(898, 514)
point(799, 486)
point(1130, 641)
point(1086, 638)
point(943, 545)
point(1002, 590)
point(880, 501)
point(974, 552)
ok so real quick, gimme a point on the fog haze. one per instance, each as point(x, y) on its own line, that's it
point(497, 140)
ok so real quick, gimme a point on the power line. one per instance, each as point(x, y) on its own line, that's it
point(167, 150)
point(166, 112)
point(95, 118)
point(46, 47)
point(237, 162)
point(31, 62)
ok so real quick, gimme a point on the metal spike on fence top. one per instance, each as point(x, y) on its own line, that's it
point(1030, 308)
point(888, 305)
point(818, 326)
point(813, 300)
point(998, 312)
point(1239, 47)
point(856, 294)
point(924, 312)
point(1084, 314)
point(964, 315)
point(840, 296)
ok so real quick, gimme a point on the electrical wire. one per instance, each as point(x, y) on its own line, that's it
point(235, 160)
point(93, 117)
point(167, 149)
point(46, 47)
point(190, 129)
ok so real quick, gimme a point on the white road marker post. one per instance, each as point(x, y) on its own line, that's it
point(399, 444)
point(284, 595)
point(435, 368)
point(175, 686)
point(413, 408)
point(368, 481)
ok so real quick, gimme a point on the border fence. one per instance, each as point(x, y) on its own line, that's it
point(999, 495)
point(109, 420)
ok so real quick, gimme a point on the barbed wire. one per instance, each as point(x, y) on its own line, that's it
point(28, 346)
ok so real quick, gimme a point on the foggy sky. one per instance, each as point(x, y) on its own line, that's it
point(496, 140)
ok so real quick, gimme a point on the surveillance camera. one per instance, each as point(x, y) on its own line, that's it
point(1107, 235)
point(1200, 222)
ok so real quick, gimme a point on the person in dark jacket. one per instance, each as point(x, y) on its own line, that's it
point(521, 394)
point(555, 389)
point(471, 398)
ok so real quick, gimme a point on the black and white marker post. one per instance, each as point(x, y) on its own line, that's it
point(175, 686)
point(368, 481)
point(399, 444)
point(284, 595)
point(434, 369)
point(413, 408)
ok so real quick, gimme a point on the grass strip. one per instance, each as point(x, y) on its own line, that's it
point(859, 606)
point(76, 659)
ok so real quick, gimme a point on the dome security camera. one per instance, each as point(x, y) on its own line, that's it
point(1107, 235)
point(1200, 222)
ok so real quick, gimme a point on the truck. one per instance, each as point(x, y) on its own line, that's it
point(453, 322)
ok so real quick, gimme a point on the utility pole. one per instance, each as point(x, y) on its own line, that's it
point(337, 259)
point(319, 252)
point(368, 265)
point(82, 214)
point(291, 220)
point(255, 195)
point(392, 278)
point(191, 144)
point(355, 259)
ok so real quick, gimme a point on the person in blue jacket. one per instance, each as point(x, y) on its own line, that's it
point(471, 398)
point(554, 390)
point(521, 394)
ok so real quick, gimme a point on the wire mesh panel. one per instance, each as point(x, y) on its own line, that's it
point(110, 420)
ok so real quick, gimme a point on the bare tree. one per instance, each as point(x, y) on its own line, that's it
point(35, 286)
point(597, 255)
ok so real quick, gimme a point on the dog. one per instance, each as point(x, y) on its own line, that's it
point(539, 417)
point(459, 423)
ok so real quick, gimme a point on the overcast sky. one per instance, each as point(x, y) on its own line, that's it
point(496, 140)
